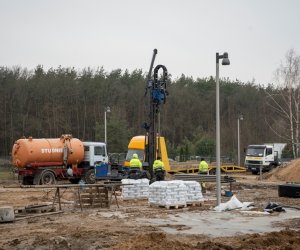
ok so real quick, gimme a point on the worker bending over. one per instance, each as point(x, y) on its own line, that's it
point(203, 167)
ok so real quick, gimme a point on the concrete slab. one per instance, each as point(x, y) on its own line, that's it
point(228, 223)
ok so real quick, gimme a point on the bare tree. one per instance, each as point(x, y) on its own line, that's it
point(285, 101)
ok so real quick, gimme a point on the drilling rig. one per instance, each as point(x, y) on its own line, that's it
point(155, 96)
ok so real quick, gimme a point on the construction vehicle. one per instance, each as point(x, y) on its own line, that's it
point(152, 144)
point(44, 161)
point(155, 95)
point(263, 157)
point(137, 145)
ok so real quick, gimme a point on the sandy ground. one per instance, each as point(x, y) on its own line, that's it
point(136, 225)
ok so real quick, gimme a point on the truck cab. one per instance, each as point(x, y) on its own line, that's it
point(97, 166)
point(262, 157)
point(95, 152)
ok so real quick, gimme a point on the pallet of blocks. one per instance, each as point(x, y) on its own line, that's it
point(175, 194)
point(168, 194)
point(135, 189)
point(194, 195)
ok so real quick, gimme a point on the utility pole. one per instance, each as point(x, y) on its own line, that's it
point(240, 118)
point(225, 61)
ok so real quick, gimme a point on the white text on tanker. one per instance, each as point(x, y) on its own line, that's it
point(51, 150)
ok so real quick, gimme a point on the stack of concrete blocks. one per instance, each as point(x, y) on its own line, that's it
point(137, 189)
point(194, 192)
point(168, 193)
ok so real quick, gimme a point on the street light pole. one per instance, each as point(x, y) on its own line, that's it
point(240, 118)
point(107, 109)
point(225, 61)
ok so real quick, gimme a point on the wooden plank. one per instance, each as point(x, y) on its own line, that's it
point(194, 203)
point(203, 178)
point(38, 215)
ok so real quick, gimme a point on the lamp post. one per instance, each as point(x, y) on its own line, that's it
point(107, 110)
point(225, 61)
point(240, 118)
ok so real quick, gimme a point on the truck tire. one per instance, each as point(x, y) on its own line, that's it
point(90, 177)
point(289, 190)
point(254, 172)
point(47, 178)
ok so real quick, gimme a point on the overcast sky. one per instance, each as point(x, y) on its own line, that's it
point(123, 33)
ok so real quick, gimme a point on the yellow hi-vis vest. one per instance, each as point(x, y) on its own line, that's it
point(135, 163)
point(158, 164)
point(203, 167)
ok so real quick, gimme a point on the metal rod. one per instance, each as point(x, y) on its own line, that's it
point(151, 64)
point(105, 135)
point(239, 153)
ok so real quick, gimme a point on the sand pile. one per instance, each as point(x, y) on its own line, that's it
point(288, 173)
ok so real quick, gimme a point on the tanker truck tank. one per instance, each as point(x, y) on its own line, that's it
point(47, 152)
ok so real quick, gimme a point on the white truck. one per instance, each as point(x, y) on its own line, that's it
point(263, 157)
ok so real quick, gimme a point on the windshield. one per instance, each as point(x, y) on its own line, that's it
point(255, 151)
point(100, 150)
point(139, 152)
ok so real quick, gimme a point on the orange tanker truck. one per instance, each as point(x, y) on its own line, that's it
point(43, 161)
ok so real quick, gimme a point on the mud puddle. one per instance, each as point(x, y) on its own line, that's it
point(231, 223)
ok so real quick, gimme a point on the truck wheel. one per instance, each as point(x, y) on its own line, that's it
point(254, 172)
point(289, 190)
point(47, 178)
point(90, 177)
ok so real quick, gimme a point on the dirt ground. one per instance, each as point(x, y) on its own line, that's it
point(118, 228)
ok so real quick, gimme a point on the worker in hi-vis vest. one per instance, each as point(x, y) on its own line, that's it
point(158, 164)
point(203, 167)
point(135, 162)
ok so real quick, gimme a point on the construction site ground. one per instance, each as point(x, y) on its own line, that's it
point(137, 225)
